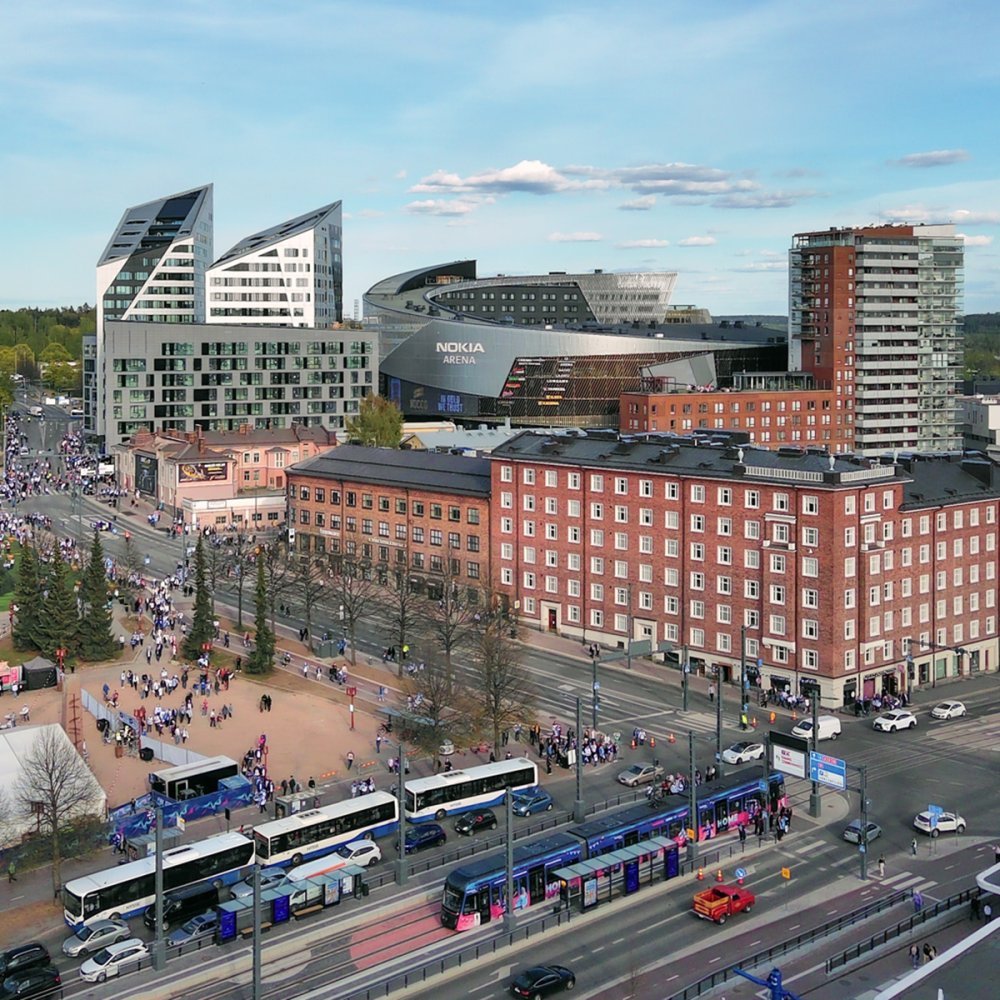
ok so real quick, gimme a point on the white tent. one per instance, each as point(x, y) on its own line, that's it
point(15, 745)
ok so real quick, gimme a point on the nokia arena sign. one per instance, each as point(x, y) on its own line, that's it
point(459, 352)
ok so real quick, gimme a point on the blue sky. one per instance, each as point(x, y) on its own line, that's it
point(695, 137)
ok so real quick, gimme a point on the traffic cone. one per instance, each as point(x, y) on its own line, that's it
point(753, 722)
point(671, 738)
point(740, 881)
point(773, 718)
point(794, 715)
point(652, 742)
point(633, 744)
point(718, 875)
point(701, 874)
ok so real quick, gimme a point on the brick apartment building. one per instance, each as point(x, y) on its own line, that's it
point(857, 574)
point(418, 512)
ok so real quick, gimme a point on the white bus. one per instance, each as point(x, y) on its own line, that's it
point(126, 890)
point(472, 788)
point(199, 777)
point(316, 832)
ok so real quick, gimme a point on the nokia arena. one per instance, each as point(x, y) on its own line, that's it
point(553, 349)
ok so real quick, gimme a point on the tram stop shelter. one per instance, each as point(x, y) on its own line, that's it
point(298, 899)
point(143, 845)
point(619, 872)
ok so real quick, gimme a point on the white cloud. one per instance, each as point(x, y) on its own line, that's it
point(575, 237)
point(762, 199)
point(643, 204)
point(970, 218)
point(932, 158)
point(697, 241)
point(642, 244)
point(763, 265)
point(530, 176)
point(440, 206)
point(976, 241)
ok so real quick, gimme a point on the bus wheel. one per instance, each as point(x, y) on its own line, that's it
point(440, 815)
point(296, 860)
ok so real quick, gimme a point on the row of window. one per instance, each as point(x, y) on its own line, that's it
point(367, 501)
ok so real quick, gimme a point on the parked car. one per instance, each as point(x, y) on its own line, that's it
point(182, 904)
point(269, 878)
point(93, 937)
point(542, 980)
point(418, 838)
point(25, 956)
point(39, 981)
point(949, 710)
point(111, 961)
point(472, 822)
point(890, 722)
point(196, 929)
point(827, 728)
point(531, 800)
point(640, 774)
point(740, 753)
point(852, 832)
point(947, 822)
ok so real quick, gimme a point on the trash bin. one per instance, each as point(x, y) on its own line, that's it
point(324, 649)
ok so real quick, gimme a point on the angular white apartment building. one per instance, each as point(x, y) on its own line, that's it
point(288, 275)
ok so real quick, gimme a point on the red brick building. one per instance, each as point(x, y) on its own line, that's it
point(418, 512)
point(823, 568)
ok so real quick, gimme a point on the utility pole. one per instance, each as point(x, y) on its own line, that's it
point(692, 801)
point(685, 669)
point(815, 801)
point(401, 865)
point(159, 955)
point(578, 807)
point(766, 781)
point(256, 933)
point(863, 768)
point(508, 917)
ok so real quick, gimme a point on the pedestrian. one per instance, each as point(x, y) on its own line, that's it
point(913, 847)
point(311, 782)
point(711, 692)
point(918, 902)
point(350, 759)
point(12, 870)
point(914, 954)
point(378, 743)
point(354, 789)
point(996, 854)
point(881, 866)
point(927, 952)
point(974, 907)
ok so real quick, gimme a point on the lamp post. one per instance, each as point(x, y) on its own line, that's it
point(595, 691)
point(685, 670)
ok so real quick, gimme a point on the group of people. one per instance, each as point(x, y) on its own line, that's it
point(879, 703)
point(254, 769)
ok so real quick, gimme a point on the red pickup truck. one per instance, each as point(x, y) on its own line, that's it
point(722, 901)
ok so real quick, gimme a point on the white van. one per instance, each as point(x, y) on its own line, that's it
point(827, 728)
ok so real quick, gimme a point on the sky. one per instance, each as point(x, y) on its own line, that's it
point(531, 136)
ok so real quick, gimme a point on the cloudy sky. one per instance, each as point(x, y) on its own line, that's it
point(533, 136)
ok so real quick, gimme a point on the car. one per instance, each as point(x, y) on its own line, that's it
point(740, 753)
point(852, 832)
point(640, 774)
point(419, 838)
point(447, 748)
point(473, 822)
point(949, 710)
point(112, 960)
point(40, 981)
point(196, 929)
point(14, 961)
point(363, 853)
point(947, 822)
point(270, 878)
point(828, 727)
point(542, 980)
point(93, 937)
point(530, 800)
point(890, 722)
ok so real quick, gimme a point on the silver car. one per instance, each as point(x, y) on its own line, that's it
point(269, 879)
point(93, 937)
point(196, 929)
point(640, 774)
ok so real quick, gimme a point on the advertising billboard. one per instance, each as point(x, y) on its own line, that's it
point(202, 472)
point(146, 474)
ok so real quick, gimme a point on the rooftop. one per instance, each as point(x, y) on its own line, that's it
point(275, 234)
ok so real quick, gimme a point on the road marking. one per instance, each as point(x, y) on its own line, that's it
point(712, 961)
point(594, 951)
point(794, 927)
point(618, 940)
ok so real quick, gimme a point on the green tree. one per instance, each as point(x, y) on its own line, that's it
point(54, 351)
point(202, 628)
point(261, 658)
point(60, 624)
point(96, 640)
point(379, 424)
point(28, 600)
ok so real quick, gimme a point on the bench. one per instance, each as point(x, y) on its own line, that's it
point(247, 932)
point(306, 910)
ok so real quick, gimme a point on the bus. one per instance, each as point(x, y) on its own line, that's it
point(126, 890)
point(453, 792)
point(188, 781)
point(316, 832)
point(474, 893)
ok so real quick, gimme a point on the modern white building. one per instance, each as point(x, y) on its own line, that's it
point(981, 424)
point(288, 275)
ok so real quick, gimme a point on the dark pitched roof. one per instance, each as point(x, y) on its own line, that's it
point(456, 474)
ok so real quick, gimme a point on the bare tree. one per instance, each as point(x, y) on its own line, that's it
point(280, 574)
point(501, 687)
point(405, 611)
point(308, 581)
point(238, 554)
point(434, 694)
point(130, 567)
point(452, 619)
point(355, 594)
point(55, 786)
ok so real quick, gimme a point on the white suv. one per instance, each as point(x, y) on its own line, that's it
point(892, 721)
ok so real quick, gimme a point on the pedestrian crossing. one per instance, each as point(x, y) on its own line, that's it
point(979, 733)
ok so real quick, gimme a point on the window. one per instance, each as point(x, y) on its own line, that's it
point(810, 537)
point(810, 598)
point(621, 485)
point(573, 480)
point(724, 526)
point(672, 491)
point(597, 484)
point(751, 529)
point(697, 493)
point(810, 505)
point(781, 501)
point(724, 496)
point(777, 594)
point(528, 476)
point(751, 499)
point(810, 566)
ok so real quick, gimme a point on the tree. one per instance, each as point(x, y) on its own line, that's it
point(501, 687)
point(281, 574)
point(239, 550)
point(261, 658)
point(405, 610)
point(436, 696)
point(96, 640)
point(60, 624)
point(379, 424)
point(56, 786)
point(202, 628)
point(452, 619)
point(131, 566)
point(28, 600)
point(308, 582)
point(54, 352)
point(354, 594)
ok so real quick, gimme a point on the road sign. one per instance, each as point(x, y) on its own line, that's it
point(641, 647)
point(786, 872)
point(762, 785)
point(740, 873)
point(827, 770)
point(934, 812)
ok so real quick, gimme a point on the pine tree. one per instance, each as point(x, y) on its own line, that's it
point(28, 598)
point(97, 640)
point(202, 628)
point(60, 624)
point(261, 659)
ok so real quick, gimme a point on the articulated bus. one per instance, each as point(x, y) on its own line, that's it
point(453, 792)
point(126, 890)
point(475, 893)
point(320, 831)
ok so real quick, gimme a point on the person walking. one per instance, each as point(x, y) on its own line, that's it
point(915, 955)
point(350, 759)
point(711, 692)
point(974, 907)
point(913, 847)
point(881, 866)
point(12, 870)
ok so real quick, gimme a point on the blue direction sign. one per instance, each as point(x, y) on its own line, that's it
point(934, 811)
point(826, 770)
